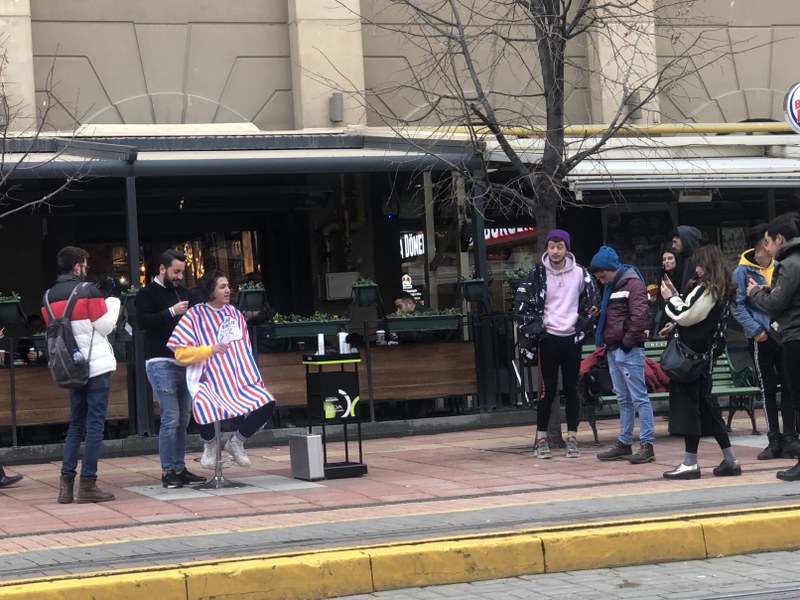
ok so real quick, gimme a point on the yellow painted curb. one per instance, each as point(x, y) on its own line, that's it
point(741, 534)
point(453, 561)
point(324, 575)
point(361, 570)
point(122, 586)
point(616, 546)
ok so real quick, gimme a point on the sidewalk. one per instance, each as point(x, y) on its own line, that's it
point(442, 508)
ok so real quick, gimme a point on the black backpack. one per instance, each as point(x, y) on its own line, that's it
point(68, 366)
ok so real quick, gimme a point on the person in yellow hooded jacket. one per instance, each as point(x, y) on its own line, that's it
point(767, 353)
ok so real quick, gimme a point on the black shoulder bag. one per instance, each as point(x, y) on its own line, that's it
point(682, 364)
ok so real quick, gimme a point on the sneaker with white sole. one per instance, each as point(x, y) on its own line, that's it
point(235, 448)
point(209, 458)
point(541, 449)
point(573, 450)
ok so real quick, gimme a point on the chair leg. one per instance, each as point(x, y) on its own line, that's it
point(751, 410)
point(731, 411)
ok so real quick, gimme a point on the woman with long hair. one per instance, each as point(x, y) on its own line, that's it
point(670, 261)
point(692, 413)
point(223, 379)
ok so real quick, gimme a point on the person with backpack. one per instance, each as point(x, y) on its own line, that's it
point(92, 319)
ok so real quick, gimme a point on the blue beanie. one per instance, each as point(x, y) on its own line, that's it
point(606, 259)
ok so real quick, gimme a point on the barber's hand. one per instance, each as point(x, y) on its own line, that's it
point(180, 308)
point(666, 330)
point(33, 356)
point(219, 348)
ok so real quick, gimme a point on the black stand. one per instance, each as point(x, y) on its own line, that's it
point(219, 482)
point(333, 398)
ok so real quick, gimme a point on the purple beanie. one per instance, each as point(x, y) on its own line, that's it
point(561, 234)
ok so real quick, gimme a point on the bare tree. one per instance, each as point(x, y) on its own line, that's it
point(517, 72)
point(507, 70)
point(26, 148)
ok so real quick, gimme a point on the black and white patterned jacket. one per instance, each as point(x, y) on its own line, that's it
point(529, 309)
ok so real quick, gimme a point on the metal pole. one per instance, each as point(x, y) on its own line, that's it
point(143, 419)
point(219, 482)
point(369, 375)
point(12, 391)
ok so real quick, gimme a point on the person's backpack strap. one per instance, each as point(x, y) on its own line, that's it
point(73, 298)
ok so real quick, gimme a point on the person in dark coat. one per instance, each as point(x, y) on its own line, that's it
point(159, 306)
point(622, 328)
point(685, 241)
point(692, 413)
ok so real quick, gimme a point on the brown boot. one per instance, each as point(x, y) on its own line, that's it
point(65, 489)
point(89, 492)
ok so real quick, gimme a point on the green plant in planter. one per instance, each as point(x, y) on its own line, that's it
point(429, 320)
point(251, 296)
point(128, 300)
point(287, 326)
point(10, 309)
point(365, 291)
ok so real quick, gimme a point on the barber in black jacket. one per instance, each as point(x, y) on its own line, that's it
point(159, 306)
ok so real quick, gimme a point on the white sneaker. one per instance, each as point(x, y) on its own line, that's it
point(209, 458)
point(235, 448)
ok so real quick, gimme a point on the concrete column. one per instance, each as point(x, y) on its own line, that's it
point(327, 57)
point(16, 78)
point(622, 59)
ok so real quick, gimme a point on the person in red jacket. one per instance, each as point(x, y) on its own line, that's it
point(92, 319)
point(622, 329)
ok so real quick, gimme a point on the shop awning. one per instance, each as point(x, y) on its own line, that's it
point(685, 174)
point(235, 155)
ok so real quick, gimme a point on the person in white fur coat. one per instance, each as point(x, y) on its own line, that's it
point(93, 318)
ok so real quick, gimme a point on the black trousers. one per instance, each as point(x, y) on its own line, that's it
point(252, 423)
point(558, 353)
point(791, 367)
point(768, 359)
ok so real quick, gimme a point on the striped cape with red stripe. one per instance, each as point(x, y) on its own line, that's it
point(225, 385)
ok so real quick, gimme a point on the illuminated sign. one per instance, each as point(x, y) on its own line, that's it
point(412, 245)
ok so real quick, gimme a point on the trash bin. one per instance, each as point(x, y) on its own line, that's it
point(305, 456)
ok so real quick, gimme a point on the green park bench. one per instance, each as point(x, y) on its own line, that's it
point(727, 382)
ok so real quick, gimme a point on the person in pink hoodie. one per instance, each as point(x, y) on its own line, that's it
point(551, 307)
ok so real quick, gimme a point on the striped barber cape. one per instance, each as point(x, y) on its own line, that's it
point(225, 385)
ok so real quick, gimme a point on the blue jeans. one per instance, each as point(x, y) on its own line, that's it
point(87, 420)
point(175, 407)
point(627, 375)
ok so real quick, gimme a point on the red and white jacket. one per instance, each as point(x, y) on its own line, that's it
point(92, 313)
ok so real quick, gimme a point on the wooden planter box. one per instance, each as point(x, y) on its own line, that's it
point(307, 328)
point(365, 294)
point(10, 311)
point(421, 323)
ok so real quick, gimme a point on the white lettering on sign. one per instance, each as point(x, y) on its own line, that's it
point(411, 245)
point(498, 234)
